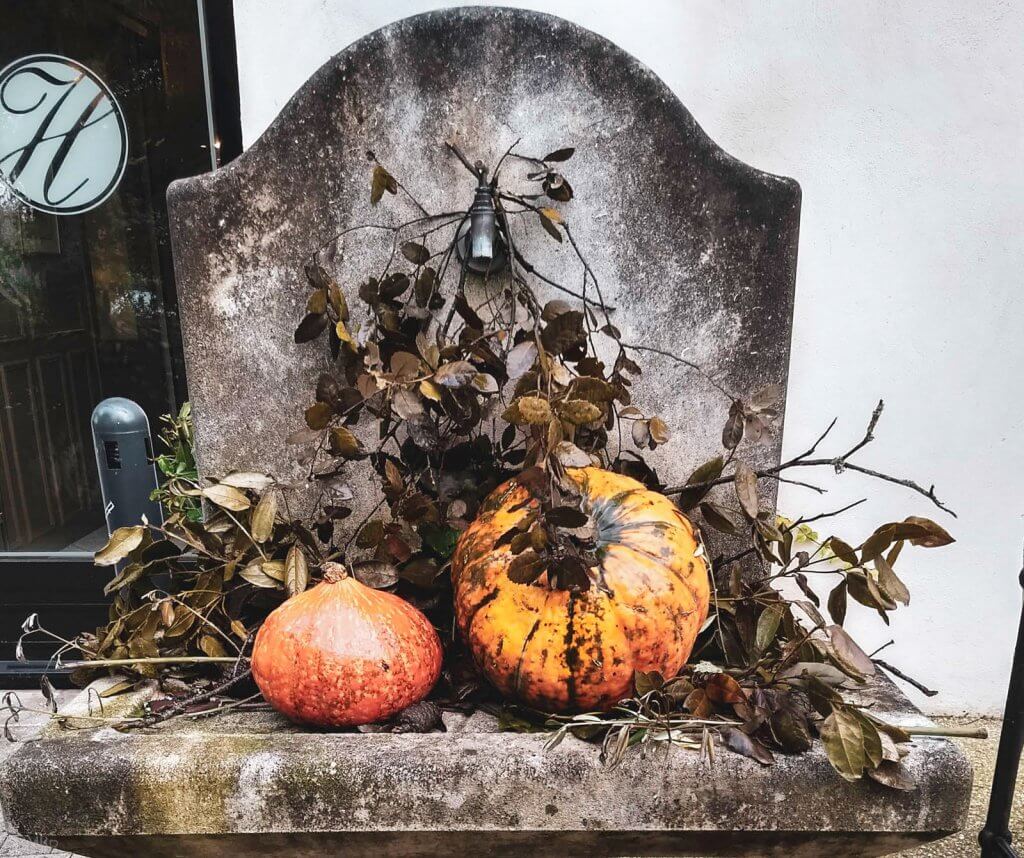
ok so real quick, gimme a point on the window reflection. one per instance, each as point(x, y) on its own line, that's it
point(87, 307)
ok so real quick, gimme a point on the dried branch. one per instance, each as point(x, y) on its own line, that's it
point(822, 515)
point(725, 561)
point(475, 169)
point(895, 671)
point(687, 363)
point(530, 269)
point(131, 662)
point(838, 463)
point(181, 706)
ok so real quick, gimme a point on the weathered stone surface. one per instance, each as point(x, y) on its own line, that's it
point(250, 784)
point(696, 250)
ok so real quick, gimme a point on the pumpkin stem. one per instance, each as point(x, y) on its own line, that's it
point(334, 572)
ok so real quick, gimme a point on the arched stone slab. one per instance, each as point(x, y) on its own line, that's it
point(696, 250)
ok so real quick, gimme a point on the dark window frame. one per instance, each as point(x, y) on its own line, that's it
point(68, 578)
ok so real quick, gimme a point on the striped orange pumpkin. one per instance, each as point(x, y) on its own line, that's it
point(561, 651)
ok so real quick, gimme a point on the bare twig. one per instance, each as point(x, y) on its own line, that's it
point(687, 363)
point(804, 485)
point(949, 732)
point(181, 706)
point(747, 552)
point(501, 161)
point(385, 227)
point(529, 269)
point(476, 171)
point(838, 463)
point(131, 662)
point(895, 671)
point(822, 515)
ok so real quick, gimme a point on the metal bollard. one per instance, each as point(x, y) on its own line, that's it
point(124, 457)
point(995, 838)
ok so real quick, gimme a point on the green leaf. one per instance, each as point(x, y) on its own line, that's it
point(441, 539)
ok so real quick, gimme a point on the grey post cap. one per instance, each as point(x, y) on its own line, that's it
point(119, 416)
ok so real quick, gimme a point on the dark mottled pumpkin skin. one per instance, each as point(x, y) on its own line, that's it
point(343, 654)
point(563, 652)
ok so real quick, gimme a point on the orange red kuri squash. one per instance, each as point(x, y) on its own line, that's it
point(562, 651)
point(343, 654)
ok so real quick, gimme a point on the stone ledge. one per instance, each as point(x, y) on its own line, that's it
point(251, 784)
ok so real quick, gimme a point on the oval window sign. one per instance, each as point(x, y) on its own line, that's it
point(63, 138)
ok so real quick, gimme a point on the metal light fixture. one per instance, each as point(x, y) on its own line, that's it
point(480, 244)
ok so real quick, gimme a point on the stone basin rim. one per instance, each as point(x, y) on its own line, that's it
point(192, 781)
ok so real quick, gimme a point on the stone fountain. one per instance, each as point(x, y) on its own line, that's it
point(698, 254)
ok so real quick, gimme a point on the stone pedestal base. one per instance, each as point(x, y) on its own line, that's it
point(251, 784)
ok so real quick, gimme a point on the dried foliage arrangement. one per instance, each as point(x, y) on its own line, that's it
point(459, 398)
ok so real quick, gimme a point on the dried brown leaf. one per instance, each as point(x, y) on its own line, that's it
point(122, 542)
point(746, 489)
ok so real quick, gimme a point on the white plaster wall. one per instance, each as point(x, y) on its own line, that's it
point(902, 121)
